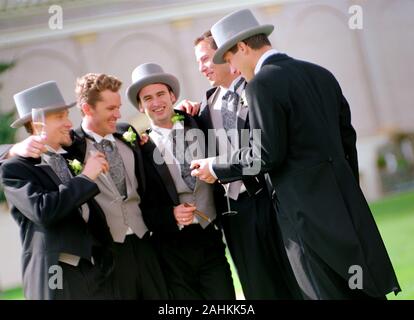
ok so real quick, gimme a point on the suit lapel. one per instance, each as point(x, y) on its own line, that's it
point(205, 119)
point(78, 148)
point(52, 175)
point(241, 117)
point(49, 171)
point(149, 149)
point(205, 115)
point(128, 164)
point(139, 165)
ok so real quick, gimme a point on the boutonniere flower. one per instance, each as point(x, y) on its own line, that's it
point(76, 166)
point(243, 99)
point(130, 136)
point(177, 117)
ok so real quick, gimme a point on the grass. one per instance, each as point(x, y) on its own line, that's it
point(13, 294)
point(236, 280)
point(395, 219)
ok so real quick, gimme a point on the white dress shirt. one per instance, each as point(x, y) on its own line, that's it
point(161, 138)
point(235, 188)
point(262, 59)
point(98, 138)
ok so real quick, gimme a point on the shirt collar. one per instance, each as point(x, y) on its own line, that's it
point(46, 156)
point(238, 85)
point(98, 138)
point(262, 59)
point(165, 131)
point(234, 83)
point(59, 151)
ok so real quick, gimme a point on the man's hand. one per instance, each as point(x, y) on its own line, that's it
point(183, 214)
point(31, 147)
point(143, 139)
point(201, 170)
point(95, 165)
point(190, 107)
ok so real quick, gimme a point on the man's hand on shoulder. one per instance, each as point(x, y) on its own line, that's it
point(31, 147)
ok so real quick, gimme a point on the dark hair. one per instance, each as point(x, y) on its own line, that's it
point(207, 37)
point(28, 127)
point(255, 42)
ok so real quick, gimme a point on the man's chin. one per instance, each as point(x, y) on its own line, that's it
point(67, 143)
point(111, 129)
point(212, 83)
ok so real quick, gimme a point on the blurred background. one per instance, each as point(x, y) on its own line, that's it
point(367, 44)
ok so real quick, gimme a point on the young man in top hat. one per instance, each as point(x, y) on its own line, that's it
point(252, 235)
point(308, 152)
point(176, 206)
point(63, 231)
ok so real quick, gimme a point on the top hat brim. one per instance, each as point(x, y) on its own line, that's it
point(218, 56)
point(165, 78)
point(28, 116)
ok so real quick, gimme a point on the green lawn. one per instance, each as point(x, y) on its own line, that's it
point(395, 219)
point(13, 294)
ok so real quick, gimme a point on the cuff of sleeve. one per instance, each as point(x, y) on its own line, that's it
point(85, 177)
point(210, 167)
point(5, 153)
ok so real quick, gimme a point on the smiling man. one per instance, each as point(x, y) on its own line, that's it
point(179, 208)
point(261, 262)
point(137, 273)
point(308, 152)
point(55, 211)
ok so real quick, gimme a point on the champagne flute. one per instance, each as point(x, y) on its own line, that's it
point(39, 122)
point(229, 212)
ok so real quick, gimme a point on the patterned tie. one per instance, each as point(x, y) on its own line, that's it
point(229, 110)
point(59, 166)
point(229, 106)
point(116, 164)
point(181, 153)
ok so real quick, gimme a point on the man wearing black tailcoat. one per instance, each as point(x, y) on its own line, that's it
point(308, 153)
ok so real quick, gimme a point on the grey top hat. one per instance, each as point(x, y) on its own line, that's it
point(149, 73)
point(45, 96)
point(234, 28)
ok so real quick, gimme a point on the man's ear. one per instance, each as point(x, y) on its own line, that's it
point(140, 108)
point(173, 98)
point(86, 109)
point(233, 70)
point(242, 47)
point(29, 127)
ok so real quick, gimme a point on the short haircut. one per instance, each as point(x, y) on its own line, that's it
point(28, 127)
point(89, 87)
point(255, 42)
point(207, 37)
